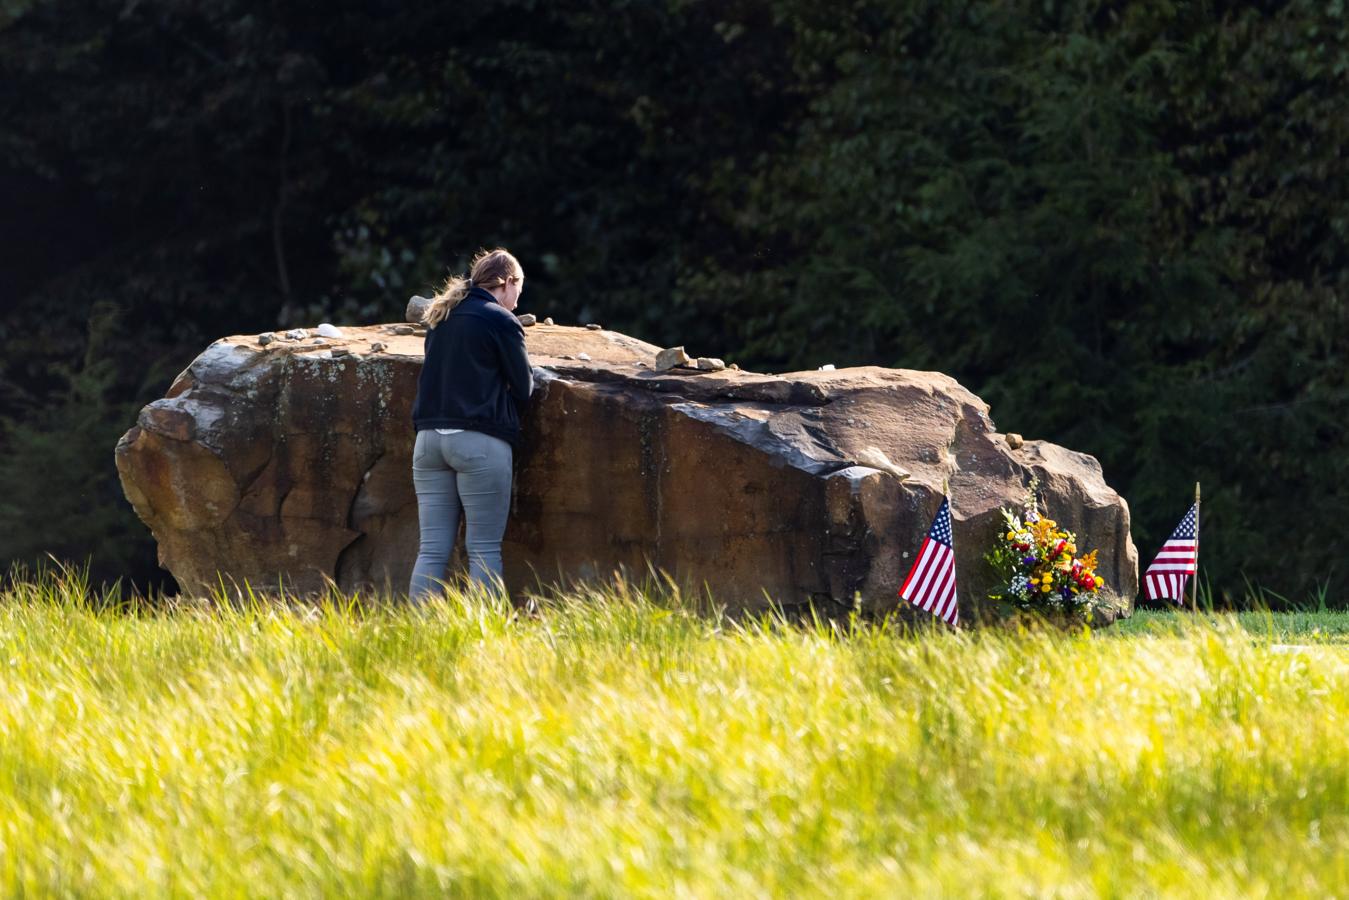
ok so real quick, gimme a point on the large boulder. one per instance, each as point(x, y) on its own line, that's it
point(281, 461)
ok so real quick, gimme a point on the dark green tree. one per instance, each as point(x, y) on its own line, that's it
point(1122, 224)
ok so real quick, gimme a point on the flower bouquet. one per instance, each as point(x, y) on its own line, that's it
point(1038, 568)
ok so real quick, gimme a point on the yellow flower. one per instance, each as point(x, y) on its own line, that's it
point(1045, 588)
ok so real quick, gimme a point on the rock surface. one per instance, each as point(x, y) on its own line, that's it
point(279, 465)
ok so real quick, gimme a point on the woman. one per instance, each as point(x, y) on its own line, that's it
point(475, 379)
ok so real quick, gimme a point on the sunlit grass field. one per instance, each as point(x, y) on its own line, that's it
point(612, 743)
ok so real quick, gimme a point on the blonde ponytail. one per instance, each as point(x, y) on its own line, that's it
point(490, 268)
point(446, 299)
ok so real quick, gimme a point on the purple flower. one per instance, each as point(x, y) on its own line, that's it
point(1029, 561)
point(1067, 592)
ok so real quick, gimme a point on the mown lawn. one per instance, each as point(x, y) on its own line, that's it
point(617, 745)
point(1322, 627)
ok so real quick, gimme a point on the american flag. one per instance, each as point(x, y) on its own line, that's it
point(931, 584)
point(1175, 563)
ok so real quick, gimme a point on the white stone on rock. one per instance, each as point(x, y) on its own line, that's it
point(670, 357)
point(416, 308)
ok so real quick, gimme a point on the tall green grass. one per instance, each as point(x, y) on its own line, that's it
point(612, 743)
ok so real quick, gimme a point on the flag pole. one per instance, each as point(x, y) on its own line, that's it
point(1194, 581)
point(946, 495)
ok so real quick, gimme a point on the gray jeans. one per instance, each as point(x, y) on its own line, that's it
point(468, 469)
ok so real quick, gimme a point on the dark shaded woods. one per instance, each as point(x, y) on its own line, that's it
point(1122, 224)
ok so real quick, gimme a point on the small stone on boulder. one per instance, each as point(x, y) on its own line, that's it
point(297, 334)
point(593, 327)
point(266, 338)
point(710, 364)
point(416, 309)
point(548, 321)
point(1015, 441)
point(377, 346)
point(584, 356)
point(329, 331)
point(669, 358)
point(528, 319)
point(403, 329)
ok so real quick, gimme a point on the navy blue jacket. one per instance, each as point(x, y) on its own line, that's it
point(476, 374)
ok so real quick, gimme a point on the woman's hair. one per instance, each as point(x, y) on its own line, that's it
point(489, 269)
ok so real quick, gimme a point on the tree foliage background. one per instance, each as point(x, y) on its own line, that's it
point(1122, 224)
